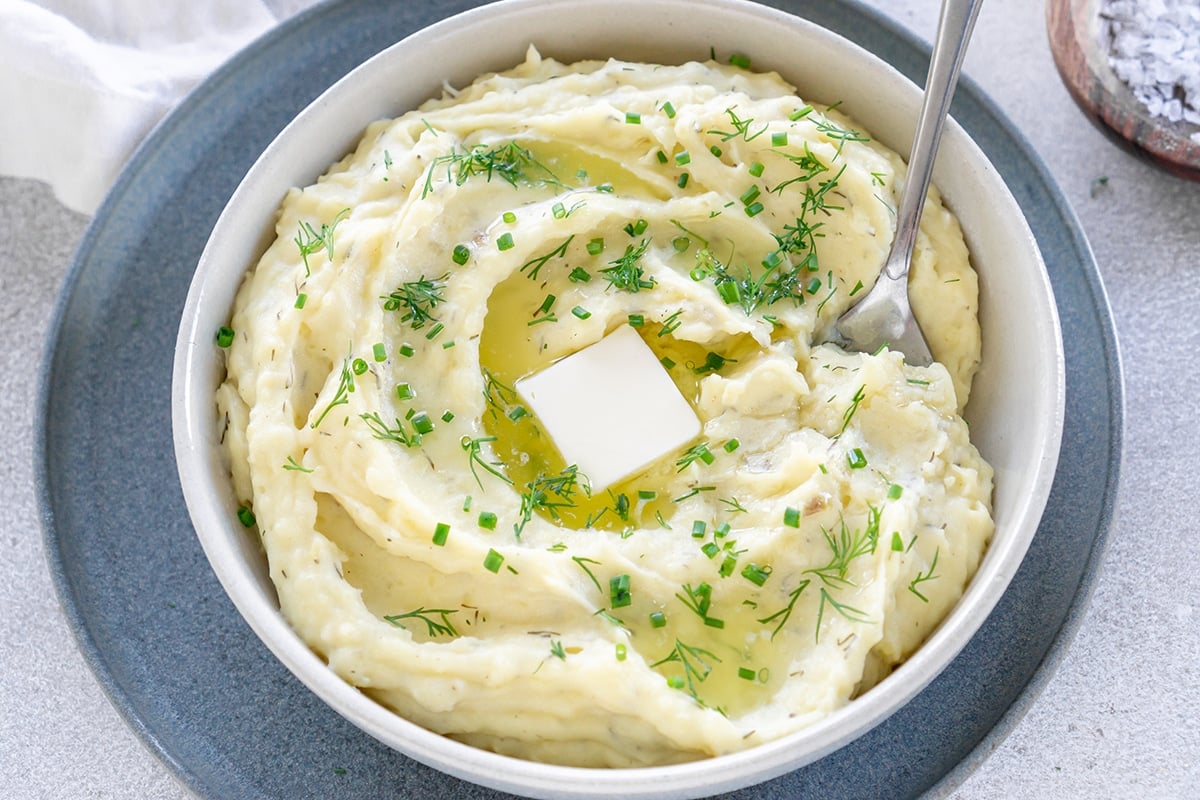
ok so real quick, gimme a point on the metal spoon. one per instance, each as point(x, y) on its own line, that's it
point(883, 316)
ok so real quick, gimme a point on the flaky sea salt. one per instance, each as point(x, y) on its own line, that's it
point(1154, 47)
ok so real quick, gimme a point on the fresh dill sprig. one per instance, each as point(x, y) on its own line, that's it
point(310, 241)
point(626, 273)
point(398, 434)
point(924, 576)
point(342, 395)
point(583, 561)
point(741, 127)
point(426, 615)
point(499, 395)
point(852, 409)
point(697, 598)
point(781, 616)
point(418, 299)
point(695, 669)
point(293, 465)
point(540, 261)
point(846, 546)
point(474, 450)
point(548, 493)
point(849, 612)
point(509, 162)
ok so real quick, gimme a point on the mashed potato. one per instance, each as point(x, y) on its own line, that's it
point(427, 539)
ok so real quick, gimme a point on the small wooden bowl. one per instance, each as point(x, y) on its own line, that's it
point(1077, 40)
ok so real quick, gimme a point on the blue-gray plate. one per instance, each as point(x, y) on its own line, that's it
point(170, 649)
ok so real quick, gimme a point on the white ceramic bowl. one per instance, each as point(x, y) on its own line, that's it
point(1016, 409)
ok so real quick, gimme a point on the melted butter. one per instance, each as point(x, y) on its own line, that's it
point(574, 166)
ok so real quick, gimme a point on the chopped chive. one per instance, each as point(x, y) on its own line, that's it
point(301, 299)
point(681, 243)
point(618, 591)
point(517, 413)
point(558, 210)
point(637, 320)
point(404, 391)
point(683, 158)
point(359, 366)
point(897, 542)
point(779, 139)
point(447, 415)
point(740, 61)
point(487, 520)
point(224, 336)
point(800, 113)
point(856, 459)
point(637, 227)
point(699, 528)
point(658, 619)
point(698, 274)
point(509, 217)
point(730, 291)
point(581, 312)
point(750, 195)
point(668, 109)
point(666, 362)
point(713, 622)
point(493, 560)
point(448, 345)
point(505, 242)
point(379, 352)
point(894, 491)
point(716, 151)
point(607, 188)
point(620, 651)
point(440, 534)
point(595, 247)
point(546, 305)
point(633, 118)
point(756, 169)
point(711, 549)
point(434, 331)
point(647, 494)
point(461, 254)
point(791, 517)
point(722, 530)
point(466, 504)
point(754, 209)
point(756, 574)
point(747, 674)
point(813, 286)
point(675, 682)
point(407, 350)
point(731, 445)
point(662, 157)
point(246, 516)
point(422, 423)
point(683, 180)
point(579, 275)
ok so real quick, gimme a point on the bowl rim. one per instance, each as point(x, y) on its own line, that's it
point(195, 462)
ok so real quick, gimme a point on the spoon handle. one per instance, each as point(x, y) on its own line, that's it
point(953, 33)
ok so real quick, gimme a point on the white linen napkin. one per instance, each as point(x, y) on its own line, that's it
point(83, 81)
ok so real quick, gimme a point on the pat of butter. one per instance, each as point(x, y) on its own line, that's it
point(611, 408)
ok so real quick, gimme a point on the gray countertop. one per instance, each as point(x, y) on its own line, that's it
point(1119, 718)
